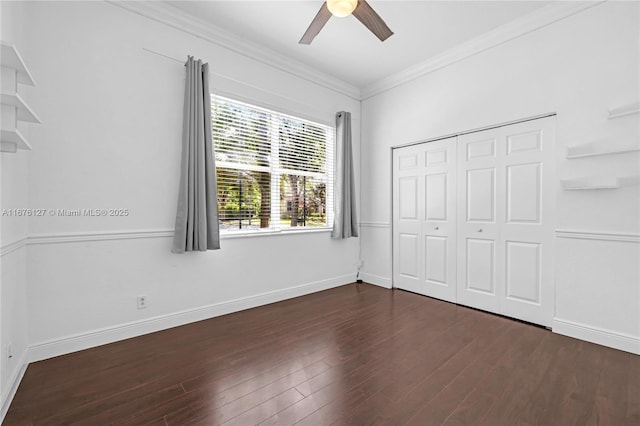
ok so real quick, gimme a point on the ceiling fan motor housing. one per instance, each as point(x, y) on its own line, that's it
point(341, 8)
point(360, 9)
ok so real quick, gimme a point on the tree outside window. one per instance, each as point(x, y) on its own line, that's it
point(274, 171)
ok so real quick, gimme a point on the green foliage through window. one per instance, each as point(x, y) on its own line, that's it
point(273, 170)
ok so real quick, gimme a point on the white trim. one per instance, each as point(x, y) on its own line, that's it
point(604, 236)
point(516, 28)
point(98, 236)
point(77, 342)
point(230, 235)
point(376, 280)
point(476, 130)
point(15, 383)
point(176, 18)
point(140, 234)
point(375, 224)
point(13, 246)
point(601, 336)
point(624, 110)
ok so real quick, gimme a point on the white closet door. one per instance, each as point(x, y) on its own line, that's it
point(505, 226)
point(528, 229)
point(425, 219)
point(479, 216)
point(408, 169)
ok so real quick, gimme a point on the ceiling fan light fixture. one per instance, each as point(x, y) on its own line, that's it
point(341, 8)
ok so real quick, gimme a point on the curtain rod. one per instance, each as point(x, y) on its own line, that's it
point(181, 61)
point(243, 83)
point(163, 55)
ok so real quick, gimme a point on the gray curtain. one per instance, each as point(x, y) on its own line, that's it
point(344, 222)
point(197, 227)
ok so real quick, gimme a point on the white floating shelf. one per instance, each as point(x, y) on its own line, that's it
point(590, 183)
point(14, 109)
point(622, 111)
point(599, 148)
point(13, 138)
point(10, 58)
point(24, 112)
point(8, 147)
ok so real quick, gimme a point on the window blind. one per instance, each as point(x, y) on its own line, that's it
point(274, 171)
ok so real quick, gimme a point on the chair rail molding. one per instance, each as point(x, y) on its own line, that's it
point(374, 224)
point(593, 235)
point(5, 249)
point(74, 237)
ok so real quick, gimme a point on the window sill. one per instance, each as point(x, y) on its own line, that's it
point(229, 235)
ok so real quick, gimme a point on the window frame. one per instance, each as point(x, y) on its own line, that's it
point(277, 172)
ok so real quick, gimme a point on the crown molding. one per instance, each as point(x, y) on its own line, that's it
point(171, 16)
point(516, 28)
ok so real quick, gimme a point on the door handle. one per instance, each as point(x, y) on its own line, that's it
point(480, 230)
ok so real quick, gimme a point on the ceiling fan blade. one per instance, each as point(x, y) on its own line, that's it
point(365, 14)
point(316, 25)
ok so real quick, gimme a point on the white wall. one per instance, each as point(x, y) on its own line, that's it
point(13, 232)
point(110, 138)
point(111, 116)
point(578, 68)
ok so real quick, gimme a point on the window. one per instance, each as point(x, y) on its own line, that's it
point(274, 171)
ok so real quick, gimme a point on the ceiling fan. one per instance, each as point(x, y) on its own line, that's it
point(340, 8)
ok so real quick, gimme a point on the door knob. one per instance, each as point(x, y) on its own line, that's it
point(437, 227)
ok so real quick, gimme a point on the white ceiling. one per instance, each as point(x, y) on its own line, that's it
point(345, 49)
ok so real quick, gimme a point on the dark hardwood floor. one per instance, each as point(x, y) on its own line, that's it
point(356, 354)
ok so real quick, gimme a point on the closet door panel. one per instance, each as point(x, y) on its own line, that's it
point(528, 230)
point(407, 210)
point(479, 251)
point(424, 219)
point(505, 237)
point(439, 224)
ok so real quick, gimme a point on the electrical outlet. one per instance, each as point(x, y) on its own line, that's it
point(142, 302)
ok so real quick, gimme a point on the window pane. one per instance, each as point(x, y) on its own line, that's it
point(240, 134)
point(302, 146)
point(243, 199)
point(273, 170)
point(303, 201)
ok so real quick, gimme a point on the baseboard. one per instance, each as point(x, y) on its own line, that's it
point(90, 339)
point(601, 336)
point(15, 382)
point(376, 280)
